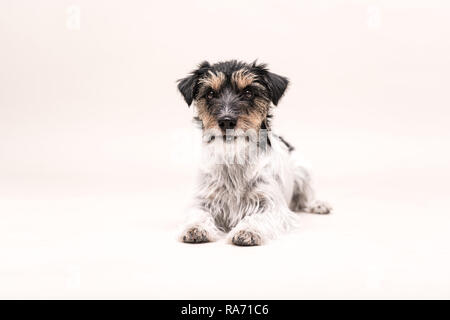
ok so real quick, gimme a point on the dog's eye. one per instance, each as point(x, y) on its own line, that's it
point(248, 93)
point(210, 94)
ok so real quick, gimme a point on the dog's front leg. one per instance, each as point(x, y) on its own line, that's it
point(199, 227)
point(257, 228)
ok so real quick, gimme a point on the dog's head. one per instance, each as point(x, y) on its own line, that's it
point(233, 95)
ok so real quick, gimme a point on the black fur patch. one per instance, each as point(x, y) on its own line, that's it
point(287, 144)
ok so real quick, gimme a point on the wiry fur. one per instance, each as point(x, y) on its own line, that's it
point(248, 190)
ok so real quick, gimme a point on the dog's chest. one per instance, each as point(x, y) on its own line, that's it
point(230, 193)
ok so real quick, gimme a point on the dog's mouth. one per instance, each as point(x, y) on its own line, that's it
point(227, 138)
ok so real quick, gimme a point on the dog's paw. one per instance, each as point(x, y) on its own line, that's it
point(195, 235)
point(319, 207)
point(246, 238)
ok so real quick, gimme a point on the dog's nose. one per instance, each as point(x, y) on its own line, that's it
point(227, 123)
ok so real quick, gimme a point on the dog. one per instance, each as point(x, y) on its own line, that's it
point(251, 184)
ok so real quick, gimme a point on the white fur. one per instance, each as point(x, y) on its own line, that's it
point(242, 189)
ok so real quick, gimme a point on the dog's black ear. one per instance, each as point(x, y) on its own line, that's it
point(276, 85)
point(188, 85)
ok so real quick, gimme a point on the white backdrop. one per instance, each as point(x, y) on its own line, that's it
point(97, 148)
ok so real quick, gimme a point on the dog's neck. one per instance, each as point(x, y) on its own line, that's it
point(238, 154)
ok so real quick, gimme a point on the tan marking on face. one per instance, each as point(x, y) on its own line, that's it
point(209, 122)
point(254, 119)
point(243, 78)
point(261, 105)
point(213, 80)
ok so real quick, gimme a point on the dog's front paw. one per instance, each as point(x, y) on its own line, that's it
point(319, 207)
point(246, 238)
point(195, 235)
